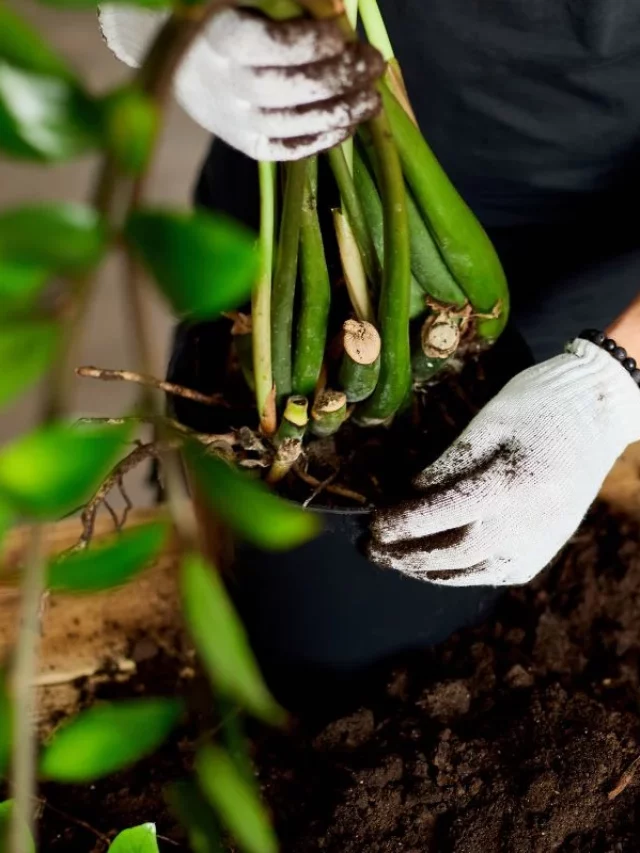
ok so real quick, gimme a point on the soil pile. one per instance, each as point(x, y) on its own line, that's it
point(522, 736)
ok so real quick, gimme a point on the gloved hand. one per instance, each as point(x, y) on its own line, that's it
point(511, 491)
point(275, 91)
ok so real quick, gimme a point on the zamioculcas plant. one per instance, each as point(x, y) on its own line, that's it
point(422, 280)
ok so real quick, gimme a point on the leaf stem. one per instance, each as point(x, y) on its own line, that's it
point(261, 308)
point(393, 314)
point(375, 28)
point(284, 282)
point(355, 214)
point(316, 292)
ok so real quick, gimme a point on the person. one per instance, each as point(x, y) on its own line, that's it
point(533, 109)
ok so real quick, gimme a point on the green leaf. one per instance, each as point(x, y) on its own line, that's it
point(26, 351)
point(108, 565)
point(138, 839)
point(20, 286)
point(221, 641)
point(236, 801)
point(5, 725)
point(107, 738)
point(57, 468)
point(249, 508)
point(91, 4)
point(197, 817)
point(6, 811)
point(204, 264)
point(22, 46)
point(132, 122)
point(62, 237)
point(45, 118)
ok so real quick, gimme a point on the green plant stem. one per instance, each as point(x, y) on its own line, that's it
point(355, 214)
point(284, 283)
point(360, 365)
point(294, 420)
point(462, 241)
point(375, 28)
point(315, 292)
point(328, 414)
point(393, 314)
point(261, 307)
point(25, 665)
point(372, 206)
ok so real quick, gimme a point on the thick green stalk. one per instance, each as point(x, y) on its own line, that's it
point(328, 414)
point(428, 266)
point(315, 292)
point(372, 206)
point(284, 282)
point(462, 241)
point(375, 28)
point(295, 419)
point(355, 214)
point(395, 362)
point(261, 303)
point(351, 12)
point(360, 367)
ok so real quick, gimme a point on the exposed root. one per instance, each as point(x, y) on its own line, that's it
point(142, 452)
point(151, 382)
point(332, 488)
point(625, 780)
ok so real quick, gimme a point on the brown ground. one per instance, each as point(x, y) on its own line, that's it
point(521, 736)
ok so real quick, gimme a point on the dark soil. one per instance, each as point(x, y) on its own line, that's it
point(521, 736)
point(356, 459)
point(518, 737)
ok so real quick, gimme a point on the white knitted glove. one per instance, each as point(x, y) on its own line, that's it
point(275, 91)
point(510, 492)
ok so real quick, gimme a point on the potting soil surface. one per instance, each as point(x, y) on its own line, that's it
point(521, 736)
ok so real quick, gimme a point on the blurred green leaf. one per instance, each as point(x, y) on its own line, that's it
point(221, 640)
point(60, 236)
point(132, 122)
point(5, 725)
point(24, 47)
point(26, 350)
point(20, 286)
point(204, 264)
point(91, 4)
point(138, 839)
point(56, 468)
point(6, 811)
point(236, 801)
point(107, 738)
point(248, 507)
point(45, 118)
point(108, 565)
point(196, 816)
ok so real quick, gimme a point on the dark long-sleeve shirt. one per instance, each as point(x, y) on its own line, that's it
point(532, 106)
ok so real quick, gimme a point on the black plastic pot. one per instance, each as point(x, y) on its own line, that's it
point(322, 615)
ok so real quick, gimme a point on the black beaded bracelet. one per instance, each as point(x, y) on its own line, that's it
point(619, 353)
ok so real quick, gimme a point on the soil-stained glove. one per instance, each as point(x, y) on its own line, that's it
point(275, 91)
point(511, 491)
